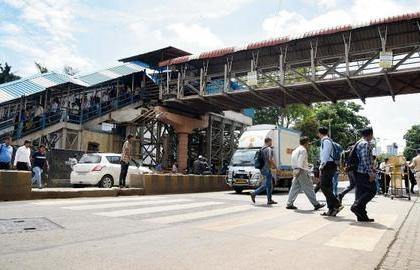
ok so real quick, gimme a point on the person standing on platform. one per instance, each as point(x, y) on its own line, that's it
point(23, 157)
point(327, 170)
point(6, 152)
point(125, 159)
point(301, 179)
point(39, 160)
point(268, 165)
point(365, 177)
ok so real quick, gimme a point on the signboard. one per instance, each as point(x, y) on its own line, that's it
point(252, 78)
point(385, 59)
point(107, 127)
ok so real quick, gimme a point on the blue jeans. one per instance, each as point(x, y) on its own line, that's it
point(335, 183)
point(37, 180)
point(266, 185)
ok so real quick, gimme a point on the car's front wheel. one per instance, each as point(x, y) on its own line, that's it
point(106, 182)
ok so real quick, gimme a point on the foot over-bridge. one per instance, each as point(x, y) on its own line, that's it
point(380, 58)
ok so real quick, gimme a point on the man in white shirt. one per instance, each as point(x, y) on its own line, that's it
point(385, 171)
point(23, 157)
point(301, 180)
point(415, 164)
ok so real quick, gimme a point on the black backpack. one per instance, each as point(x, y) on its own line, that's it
point(351, 160)
point(259, 159)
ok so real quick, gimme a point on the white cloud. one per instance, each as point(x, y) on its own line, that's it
point(9, 28)
point(45, 34)
point(291, 23)
point(194, 34)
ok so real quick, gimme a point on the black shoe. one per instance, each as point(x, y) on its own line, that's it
point(291, 207)
point(357, 212)
point(328, 213)
point(340, 207)
point(319, 206)
point(253, 197)
point(271, 202)
point(365, 219)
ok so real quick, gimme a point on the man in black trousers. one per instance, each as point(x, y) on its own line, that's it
point(327, 170)
point(365, 176)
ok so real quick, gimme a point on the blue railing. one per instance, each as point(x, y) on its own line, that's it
point(23, 128)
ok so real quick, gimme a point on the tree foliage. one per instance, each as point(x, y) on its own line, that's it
point(41, 68)
point(285, 117)
point(6, 74)
point(412, 141)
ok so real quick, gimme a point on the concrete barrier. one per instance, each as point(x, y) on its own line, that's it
point(15, 185)
point(173, 183)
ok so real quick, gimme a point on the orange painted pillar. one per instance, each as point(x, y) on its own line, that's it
point(182, 147)
point(183, 125)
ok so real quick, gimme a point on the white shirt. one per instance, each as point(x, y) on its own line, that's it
point(300, 158)
point(384, 167)
point(23, 154)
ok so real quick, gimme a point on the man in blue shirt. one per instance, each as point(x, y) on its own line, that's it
point(6, 152)
point(365, 176)
point(327, 170)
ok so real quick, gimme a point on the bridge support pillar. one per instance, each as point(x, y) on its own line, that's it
point(183, 126)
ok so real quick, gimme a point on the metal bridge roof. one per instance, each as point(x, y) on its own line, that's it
point(324, 34)
point(112, 73)
point(34, 84)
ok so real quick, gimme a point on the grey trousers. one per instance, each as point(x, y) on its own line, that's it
point(302, 183)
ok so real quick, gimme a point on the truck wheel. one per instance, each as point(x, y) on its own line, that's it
point(238, 190)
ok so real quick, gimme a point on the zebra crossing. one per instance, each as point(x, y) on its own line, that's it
point(223, 216)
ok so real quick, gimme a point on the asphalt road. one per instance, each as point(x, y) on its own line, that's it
point(220, 230)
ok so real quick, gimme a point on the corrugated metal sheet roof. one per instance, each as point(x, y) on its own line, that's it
point(112, 73)
point(34, 84)
point(283, 40)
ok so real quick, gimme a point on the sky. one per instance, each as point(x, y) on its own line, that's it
point(93, 34)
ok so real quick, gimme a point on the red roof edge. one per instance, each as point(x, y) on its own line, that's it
point(283, 40)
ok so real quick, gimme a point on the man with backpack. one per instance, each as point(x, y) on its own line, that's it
point(345, 157)
point(327, 170)
point(365, 176)
point(265, 162)
point(6, 152)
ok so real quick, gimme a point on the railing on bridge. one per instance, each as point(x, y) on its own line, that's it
point(20, 129)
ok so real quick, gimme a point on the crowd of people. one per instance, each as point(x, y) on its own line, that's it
point(24, 159)
point(74, 107)
point(357, 161)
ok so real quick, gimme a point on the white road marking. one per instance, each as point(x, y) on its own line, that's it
point(298, 229)
point(95, 200)
point(123, 204)
point(248, 219)
point(198, 215)
point(363, 236)
point(157, 209)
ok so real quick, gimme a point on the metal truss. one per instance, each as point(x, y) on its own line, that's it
point(349, 68)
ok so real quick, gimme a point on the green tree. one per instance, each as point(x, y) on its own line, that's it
point(285, 117)
point(412, 142)
point(41, 68)
point(6, 74)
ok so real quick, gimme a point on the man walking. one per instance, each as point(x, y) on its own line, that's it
point(415, 164)
point(23, 157)
point(39, 161)
point(125, 159)
point(350, 173)
point(327, 170)
point(6, 152)
point(267, 154)
point(365, 177)
point(301, 179)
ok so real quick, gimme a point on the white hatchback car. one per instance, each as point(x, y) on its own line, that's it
point(103, 170)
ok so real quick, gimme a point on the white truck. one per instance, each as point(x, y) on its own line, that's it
point(242, 173)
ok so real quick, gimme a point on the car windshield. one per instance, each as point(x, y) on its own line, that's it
point(243, 157)
point(90, 159)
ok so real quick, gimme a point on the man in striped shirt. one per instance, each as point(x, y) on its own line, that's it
point(365, 176)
